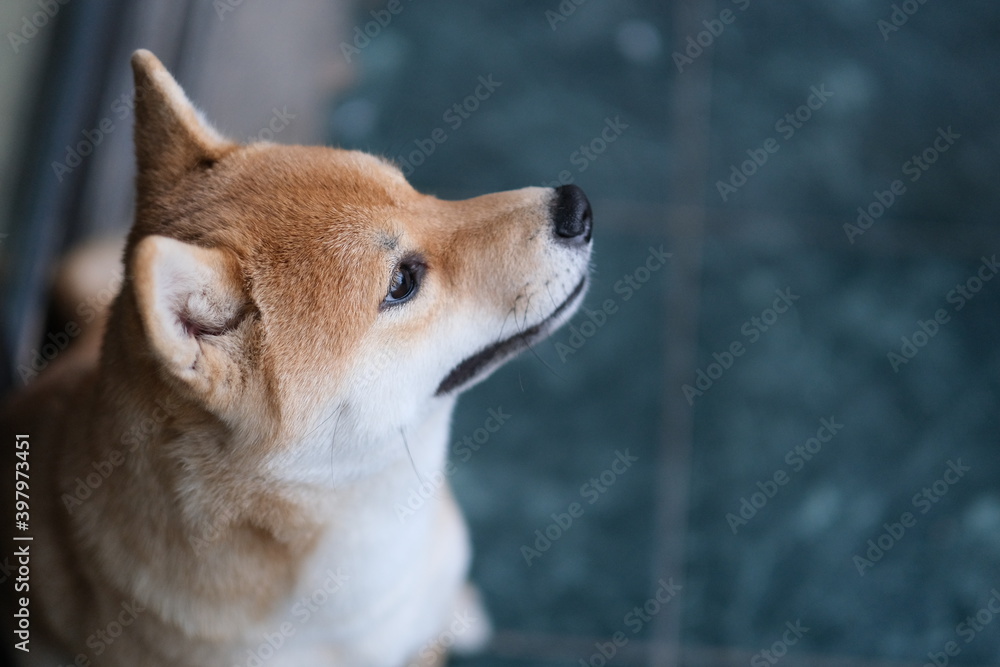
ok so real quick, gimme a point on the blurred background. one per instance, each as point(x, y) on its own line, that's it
point(778, 417)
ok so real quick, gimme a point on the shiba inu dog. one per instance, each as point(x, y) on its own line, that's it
point(217, 486)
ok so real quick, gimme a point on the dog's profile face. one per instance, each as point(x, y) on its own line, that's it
point(312, 298)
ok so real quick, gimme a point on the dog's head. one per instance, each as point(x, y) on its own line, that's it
point(313, 295)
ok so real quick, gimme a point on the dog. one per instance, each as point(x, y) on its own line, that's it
point(216, 484)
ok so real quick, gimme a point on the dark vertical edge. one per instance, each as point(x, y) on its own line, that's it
point(43, 207)
point(689, 118)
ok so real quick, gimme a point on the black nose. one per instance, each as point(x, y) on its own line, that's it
point(571, 214)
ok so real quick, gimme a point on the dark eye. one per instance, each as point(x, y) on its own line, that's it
point(404, 283)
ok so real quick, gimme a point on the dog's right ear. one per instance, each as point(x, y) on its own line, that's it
point(171, 136)
point(191, 302)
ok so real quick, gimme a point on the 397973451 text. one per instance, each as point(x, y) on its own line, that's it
point(22, 546)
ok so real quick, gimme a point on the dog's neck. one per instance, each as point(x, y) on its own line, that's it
point(184, 497)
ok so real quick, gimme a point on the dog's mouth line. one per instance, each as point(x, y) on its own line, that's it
point(472, 366)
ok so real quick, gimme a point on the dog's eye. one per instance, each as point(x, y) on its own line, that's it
point(403, 285)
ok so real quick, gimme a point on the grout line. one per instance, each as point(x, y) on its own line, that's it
point(689, 117)
point(574, 649)
point(921, 237)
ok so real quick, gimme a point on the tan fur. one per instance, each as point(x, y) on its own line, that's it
point(261, 399)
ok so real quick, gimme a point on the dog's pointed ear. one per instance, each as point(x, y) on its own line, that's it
point(171, 136)
point(192, 303)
